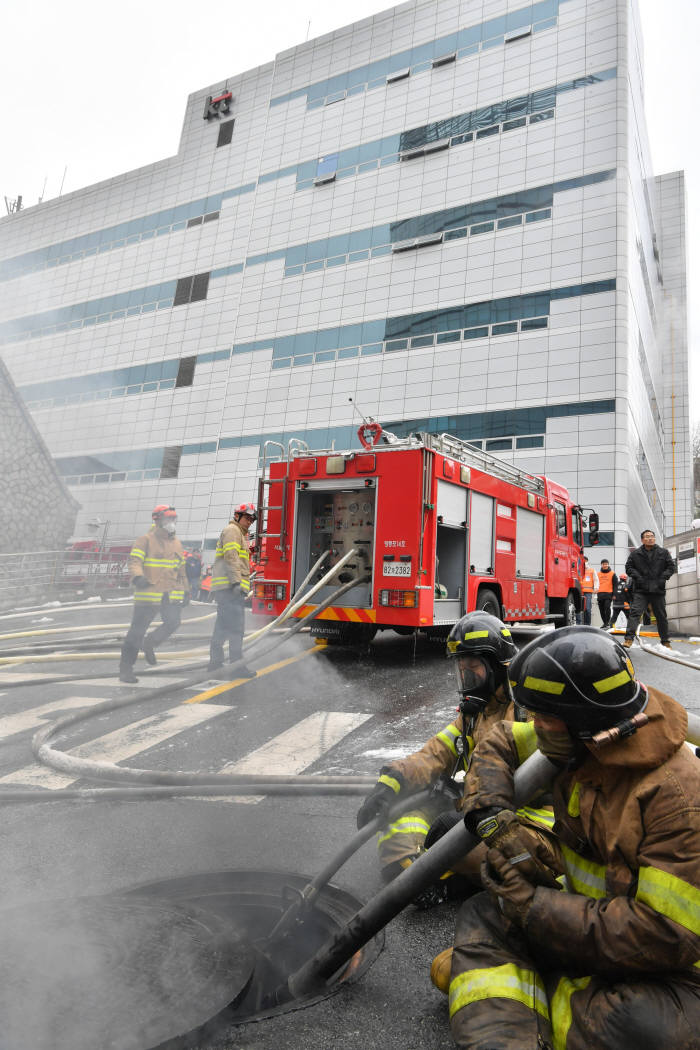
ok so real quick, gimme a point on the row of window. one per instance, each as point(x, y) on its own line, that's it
point(118, 382)
point(115, 307)
point(506, 316)
point(432, 323)
point(424, 241)
point(425, 56)
point(512, 425)
point(483, 122)
point(529, 324)
point(439, 134)
point(651, 393)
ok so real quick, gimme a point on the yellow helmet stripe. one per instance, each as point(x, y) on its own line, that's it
point(475, 634)
point(542, 685)
point(615, 680)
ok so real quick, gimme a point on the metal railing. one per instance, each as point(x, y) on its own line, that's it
point(34, 577)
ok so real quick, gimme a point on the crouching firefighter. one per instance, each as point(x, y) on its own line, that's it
point(608, 957)
point(157, 570)
point(230, 585)
point(481, 647)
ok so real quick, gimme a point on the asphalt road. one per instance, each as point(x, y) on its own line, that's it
point(325, 711)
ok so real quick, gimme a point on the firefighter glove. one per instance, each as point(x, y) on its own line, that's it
point(380, 799)
point(503, 878)
point(141, 581)
point(440, 826)
point(501, 829)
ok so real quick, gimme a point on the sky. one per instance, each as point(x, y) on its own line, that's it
point(88, 91)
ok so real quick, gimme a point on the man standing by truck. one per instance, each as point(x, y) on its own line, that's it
point(157, 571)
point(607, 582)
point(649, 567)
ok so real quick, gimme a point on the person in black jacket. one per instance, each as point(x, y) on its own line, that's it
point(649, 566)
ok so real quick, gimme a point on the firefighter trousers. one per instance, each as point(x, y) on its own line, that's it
point(229, 626)
point(142, 616)
point(499, 997)
point(640, 601)
point(604, 603)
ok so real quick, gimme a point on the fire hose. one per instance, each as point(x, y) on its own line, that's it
point(294, 604)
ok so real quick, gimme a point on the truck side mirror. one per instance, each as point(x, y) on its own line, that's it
point(593, 529)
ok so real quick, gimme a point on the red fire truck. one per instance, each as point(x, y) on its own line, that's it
point(99, 570)
point(438, 526)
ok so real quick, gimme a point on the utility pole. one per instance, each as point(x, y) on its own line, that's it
point(13, 206)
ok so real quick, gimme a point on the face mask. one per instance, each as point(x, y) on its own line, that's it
point(556, 744)
point(471, 678)
point(169, 525)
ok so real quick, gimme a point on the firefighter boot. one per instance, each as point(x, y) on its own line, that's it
point(440, 970)
point(126, 674)
point(148, 653)
point(235, 657)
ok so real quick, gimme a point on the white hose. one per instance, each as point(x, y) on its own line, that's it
point(292, 608)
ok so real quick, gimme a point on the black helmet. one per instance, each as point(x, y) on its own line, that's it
point(580, 675)
point(481, 634)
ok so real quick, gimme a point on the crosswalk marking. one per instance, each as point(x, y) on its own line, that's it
point(296, 749)
point(120, 744)
point(10, 725)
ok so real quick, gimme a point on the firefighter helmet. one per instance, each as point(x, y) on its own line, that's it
point(163, 510)
point(246, 508)
point(481, 634)
point(580, 675)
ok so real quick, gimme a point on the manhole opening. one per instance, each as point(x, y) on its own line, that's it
point(163, 965)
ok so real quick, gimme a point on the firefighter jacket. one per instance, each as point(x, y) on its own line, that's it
point(628, 823)
point(160, 558)
point(232, 562)
point(622, 594)
point(444, 751)
point(607, 581)
point(650, 569)
point(445, 754)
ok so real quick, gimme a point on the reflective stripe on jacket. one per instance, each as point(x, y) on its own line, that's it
point(160, 558)
point(232, 562)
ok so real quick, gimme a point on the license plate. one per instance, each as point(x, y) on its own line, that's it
point(397, 568)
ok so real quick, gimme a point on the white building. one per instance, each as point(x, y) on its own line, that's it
point(445, 212)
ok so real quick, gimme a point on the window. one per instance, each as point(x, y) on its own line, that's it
point(185, 372)
point(171, 461)
point(225, 133)
point(191, 289)
point(560, 519)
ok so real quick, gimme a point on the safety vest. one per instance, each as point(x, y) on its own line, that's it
point(605, 582)
point(588, 581)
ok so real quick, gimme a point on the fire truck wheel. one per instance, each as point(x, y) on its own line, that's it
point(566, 610)
point(488, 602)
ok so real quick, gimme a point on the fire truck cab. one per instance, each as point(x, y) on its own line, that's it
point(436, 528)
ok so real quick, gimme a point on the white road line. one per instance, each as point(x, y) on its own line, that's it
point(296, 749)
point(143, 683)
point(121, 743)
point(10, 725)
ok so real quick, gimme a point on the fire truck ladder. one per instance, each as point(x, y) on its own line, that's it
point(474, 457)
point(264, 505)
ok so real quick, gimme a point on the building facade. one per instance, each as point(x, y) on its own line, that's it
point(445, 212)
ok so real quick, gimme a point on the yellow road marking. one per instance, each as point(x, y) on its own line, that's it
point(225, 686)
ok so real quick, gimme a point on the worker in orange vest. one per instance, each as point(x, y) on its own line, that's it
point(607, 582)
point(589, 585)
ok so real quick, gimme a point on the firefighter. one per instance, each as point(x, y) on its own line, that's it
point(610, 958)
point(481, 646)
point(621, 598)
point(157, 571)
point(607, 582)
point(230, 585)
